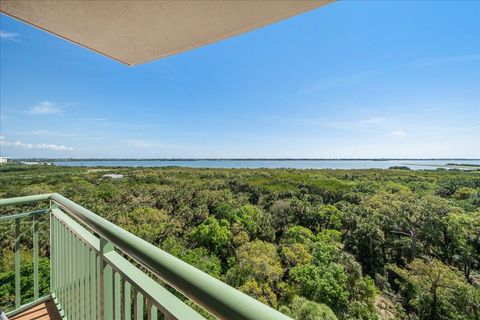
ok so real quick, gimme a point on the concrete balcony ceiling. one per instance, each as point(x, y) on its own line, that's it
point(133, 32)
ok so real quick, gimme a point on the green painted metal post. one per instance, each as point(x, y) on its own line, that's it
point(35, 257)
point(81, 279)
point(58, 273)
point(70, 275)
point(17, 263)
point(62, 259)
point(93, 285)
point(127, 300)
point(86, 278)
point(75, 282)
point(154, 313)
point(138, 305)
point(52, 242)
point(53, 249)
point(99, 285)
point(58, 257)
point(106, 282)
point(117, 296)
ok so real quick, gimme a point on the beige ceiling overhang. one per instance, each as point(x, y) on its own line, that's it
point(133, 32)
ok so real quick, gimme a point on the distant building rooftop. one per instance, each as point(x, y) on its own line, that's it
point(113, 176)
point(5, 159)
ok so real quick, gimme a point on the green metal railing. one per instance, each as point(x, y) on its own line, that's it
point(92, 275)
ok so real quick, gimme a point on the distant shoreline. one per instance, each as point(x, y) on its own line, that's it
point(242, 159)
point(299, 163)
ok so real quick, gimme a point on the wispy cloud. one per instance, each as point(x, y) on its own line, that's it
point(35, 133)
point(10, 36)
point(56, 134)
point(44, 108)
point(374, 120)
point(398, 133)
point(349, 80)
point(103, 122)
point(430, 62)
point(340, 124)
point(38, 146)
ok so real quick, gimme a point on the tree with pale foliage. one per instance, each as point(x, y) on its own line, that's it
point(437, 291)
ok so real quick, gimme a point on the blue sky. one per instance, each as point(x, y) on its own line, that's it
point(351, 79)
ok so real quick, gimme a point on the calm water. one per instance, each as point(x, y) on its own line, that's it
point(297, 164)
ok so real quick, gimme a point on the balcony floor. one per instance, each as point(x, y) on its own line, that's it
point(42, 311)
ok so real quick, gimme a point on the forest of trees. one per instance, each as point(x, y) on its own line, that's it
point(314, 244)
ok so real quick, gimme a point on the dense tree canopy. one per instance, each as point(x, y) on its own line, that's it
point(315, 244)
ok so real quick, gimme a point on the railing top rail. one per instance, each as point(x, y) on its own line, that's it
point(23, 214)
point(24, 200)
point(220, 299)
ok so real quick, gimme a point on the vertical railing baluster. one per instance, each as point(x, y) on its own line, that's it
point(59, 244)
point(81, 279)
point(127, 301)
point(17, 263)
point(151, 310)
point(62, 265)
point(66, 269)
point(117, 294)
point(138, 305)
point(54, 256)
point(70, 273)
point(74, 295)
point(76, 279)
point(35, 257)
point(122, 297)
point(99, 285)
point(52, 251)
point(86, 278)
point(154, 313)
point(106, 283)
point(58, 258)
point(53, 265)
point(93, 285)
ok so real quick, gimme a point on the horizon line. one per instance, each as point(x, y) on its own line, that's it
point(237, 159)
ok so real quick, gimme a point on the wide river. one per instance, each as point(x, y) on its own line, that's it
point(296, 164)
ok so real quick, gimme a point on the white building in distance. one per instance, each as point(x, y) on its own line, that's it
point(5, 160)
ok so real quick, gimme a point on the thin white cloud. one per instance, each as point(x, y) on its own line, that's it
point(39, 146)
point(373, 120)
point(44, 108)
point(103, 122)
point(340, 124)
point(11, 36)
point(398, 133)
point(51, 133)
point(425, 63)
point(35, 133)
